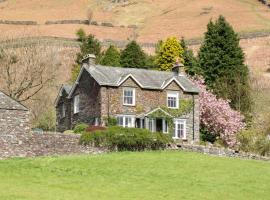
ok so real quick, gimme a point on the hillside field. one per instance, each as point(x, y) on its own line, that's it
point(156, 19)
point(141, 175)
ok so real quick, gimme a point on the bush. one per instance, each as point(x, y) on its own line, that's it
point(110, 121)
point(80, 128)
point(254, 141)
point(68, 132)
point(94, 128)
point(126, 139)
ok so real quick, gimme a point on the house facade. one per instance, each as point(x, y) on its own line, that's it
point(14, 117)
point(165, 102)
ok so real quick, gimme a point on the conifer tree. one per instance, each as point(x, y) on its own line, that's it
point(221, 60)
point(168, 52)
point(190, 61)
point(89, 45)
point(133, 56)
point(111, 57)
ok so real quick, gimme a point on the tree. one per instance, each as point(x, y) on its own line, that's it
point(111, 57)
point(217, 117)
point(25, 71)
point(190, 61)
point(221, 60)
point(169, 51)
point(89, 45)
point(133, 56)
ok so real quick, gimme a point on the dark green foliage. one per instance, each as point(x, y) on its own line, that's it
point(191, 64)
point(133, 56)
point(207, 137)
point(126, 139)
point(80, 128)
point(150, 62)
point(111, 57)
point(89, 45)
point(110, 121)
point(222, 63)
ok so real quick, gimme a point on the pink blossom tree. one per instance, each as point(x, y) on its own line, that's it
point(217, 117)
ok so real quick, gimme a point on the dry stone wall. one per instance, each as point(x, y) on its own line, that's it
point(37, 144)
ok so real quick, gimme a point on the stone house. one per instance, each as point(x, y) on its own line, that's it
point(160, 101)
point(14, 117)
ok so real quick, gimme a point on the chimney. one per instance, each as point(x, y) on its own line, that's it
point(89, 59)
point(178, 68)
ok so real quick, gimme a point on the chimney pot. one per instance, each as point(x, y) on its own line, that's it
point(89, 59)
point(178, 69)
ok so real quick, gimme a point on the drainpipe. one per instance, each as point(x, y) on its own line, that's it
point(193, 135)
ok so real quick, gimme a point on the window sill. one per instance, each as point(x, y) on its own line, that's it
point(173, 108)
point(130, 105)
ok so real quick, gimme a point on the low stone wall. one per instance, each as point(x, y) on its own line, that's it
point(18, 22)
point(219, 151)
point(36, 144)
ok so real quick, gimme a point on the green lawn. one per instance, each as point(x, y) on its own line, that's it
point(147, 175)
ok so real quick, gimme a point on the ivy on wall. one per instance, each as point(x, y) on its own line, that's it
point(185, 107)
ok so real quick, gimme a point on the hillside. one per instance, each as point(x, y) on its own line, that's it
point(155, 19)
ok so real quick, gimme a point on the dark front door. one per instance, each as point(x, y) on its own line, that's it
point(159, 125)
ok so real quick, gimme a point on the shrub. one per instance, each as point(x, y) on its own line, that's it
point(80, 128)
point(110, 121)
point(126, 139)
point(94, 128)
point(254, 141)
point(69, 132)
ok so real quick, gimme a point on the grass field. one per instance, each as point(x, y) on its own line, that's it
point(147, 175)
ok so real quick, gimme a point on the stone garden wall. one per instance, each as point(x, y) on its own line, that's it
point(41, 144)
point(219, 151)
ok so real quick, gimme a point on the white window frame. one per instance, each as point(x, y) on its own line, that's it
point(126, 124)
point(133, 96)
point(96, 122)
point(165, 127)
point(176, 123)
point(76, 104)
point(173, 94)
point(63, 110)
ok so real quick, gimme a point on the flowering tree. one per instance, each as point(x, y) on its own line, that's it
point(217, 117)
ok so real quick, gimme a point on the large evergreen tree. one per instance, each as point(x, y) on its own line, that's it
point(133, 56)
point(168, 52)
point(89, 45)
point(190, 61)
point(222, 62)
point(111, 57)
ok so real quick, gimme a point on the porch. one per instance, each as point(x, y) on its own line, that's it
point(157, 120)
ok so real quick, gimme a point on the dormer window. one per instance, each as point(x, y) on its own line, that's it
point(76, 104)
point(129, 96)
point(173, 99)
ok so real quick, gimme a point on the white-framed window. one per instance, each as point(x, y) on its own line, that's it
point(76, 104)
point(126, 121)
point(63, 110)
point(180, 129)
point(165, 126)
point(173, 99)
point(152, 125)
point(96, 122)
point(129, 96)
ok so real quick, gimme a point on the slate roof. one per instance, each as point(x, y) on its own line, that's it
point(148, 79)
point(64, 87)
point(7, 103)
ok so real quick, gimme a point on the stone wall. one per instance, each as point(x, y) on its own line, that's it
point(36, 144)
point(14, 121)
point(218, 151)
point(89, 95)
